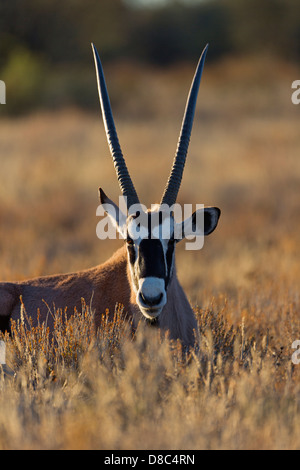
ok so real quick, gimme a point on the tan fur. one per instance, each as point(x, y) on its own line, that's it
point(177, 317)
point(103, 287)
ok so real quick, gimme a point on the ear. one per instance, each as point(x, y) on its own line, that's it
point(117, 217)
point(201, 222)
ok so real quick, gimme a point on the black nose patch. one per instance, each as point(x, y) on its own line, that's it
point(151, 259)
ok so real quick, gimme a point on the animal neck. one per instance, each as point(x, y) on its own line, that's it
point(177, 316)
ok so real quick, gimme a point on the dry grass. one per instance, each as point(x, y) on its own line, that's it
point(240, 390)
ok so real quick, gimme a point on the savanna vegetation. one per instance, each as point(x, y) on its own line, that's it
point(241, 389)
point(82, 389)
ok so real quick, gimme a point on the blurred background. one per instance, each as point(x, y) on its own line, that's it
point(244, 152)
point(45, 55)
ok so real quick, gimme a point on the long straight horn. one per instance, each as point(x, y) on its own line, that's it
point(174, 181)
point(123, 176)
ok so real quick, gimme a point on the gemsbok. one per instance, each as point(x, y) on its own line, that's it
point(141, 275)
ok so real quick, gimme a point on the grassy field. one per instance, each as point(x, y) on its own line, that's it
point(241, 390)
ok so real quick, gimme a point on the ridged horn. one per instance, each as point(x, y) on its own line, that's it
point(123, 176)
point(174, 181)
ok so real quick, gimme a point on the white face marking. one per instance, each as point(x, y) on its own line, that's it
point(137, 231)
point(164, 230)
point(151, 286)
point(151, 295)
point(138, 227)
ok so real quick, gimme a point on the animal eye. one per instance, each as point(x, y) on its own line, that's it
point(129, 241)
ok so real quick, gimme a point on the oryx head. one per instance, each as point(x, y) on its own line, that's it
point(151, 236)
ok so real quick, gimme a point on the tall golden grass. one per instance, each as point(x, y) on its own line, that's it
point(240, 390)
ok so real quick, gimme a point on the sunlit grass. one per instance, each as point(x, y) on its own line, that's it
point(113, 390)
point(82, 389)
